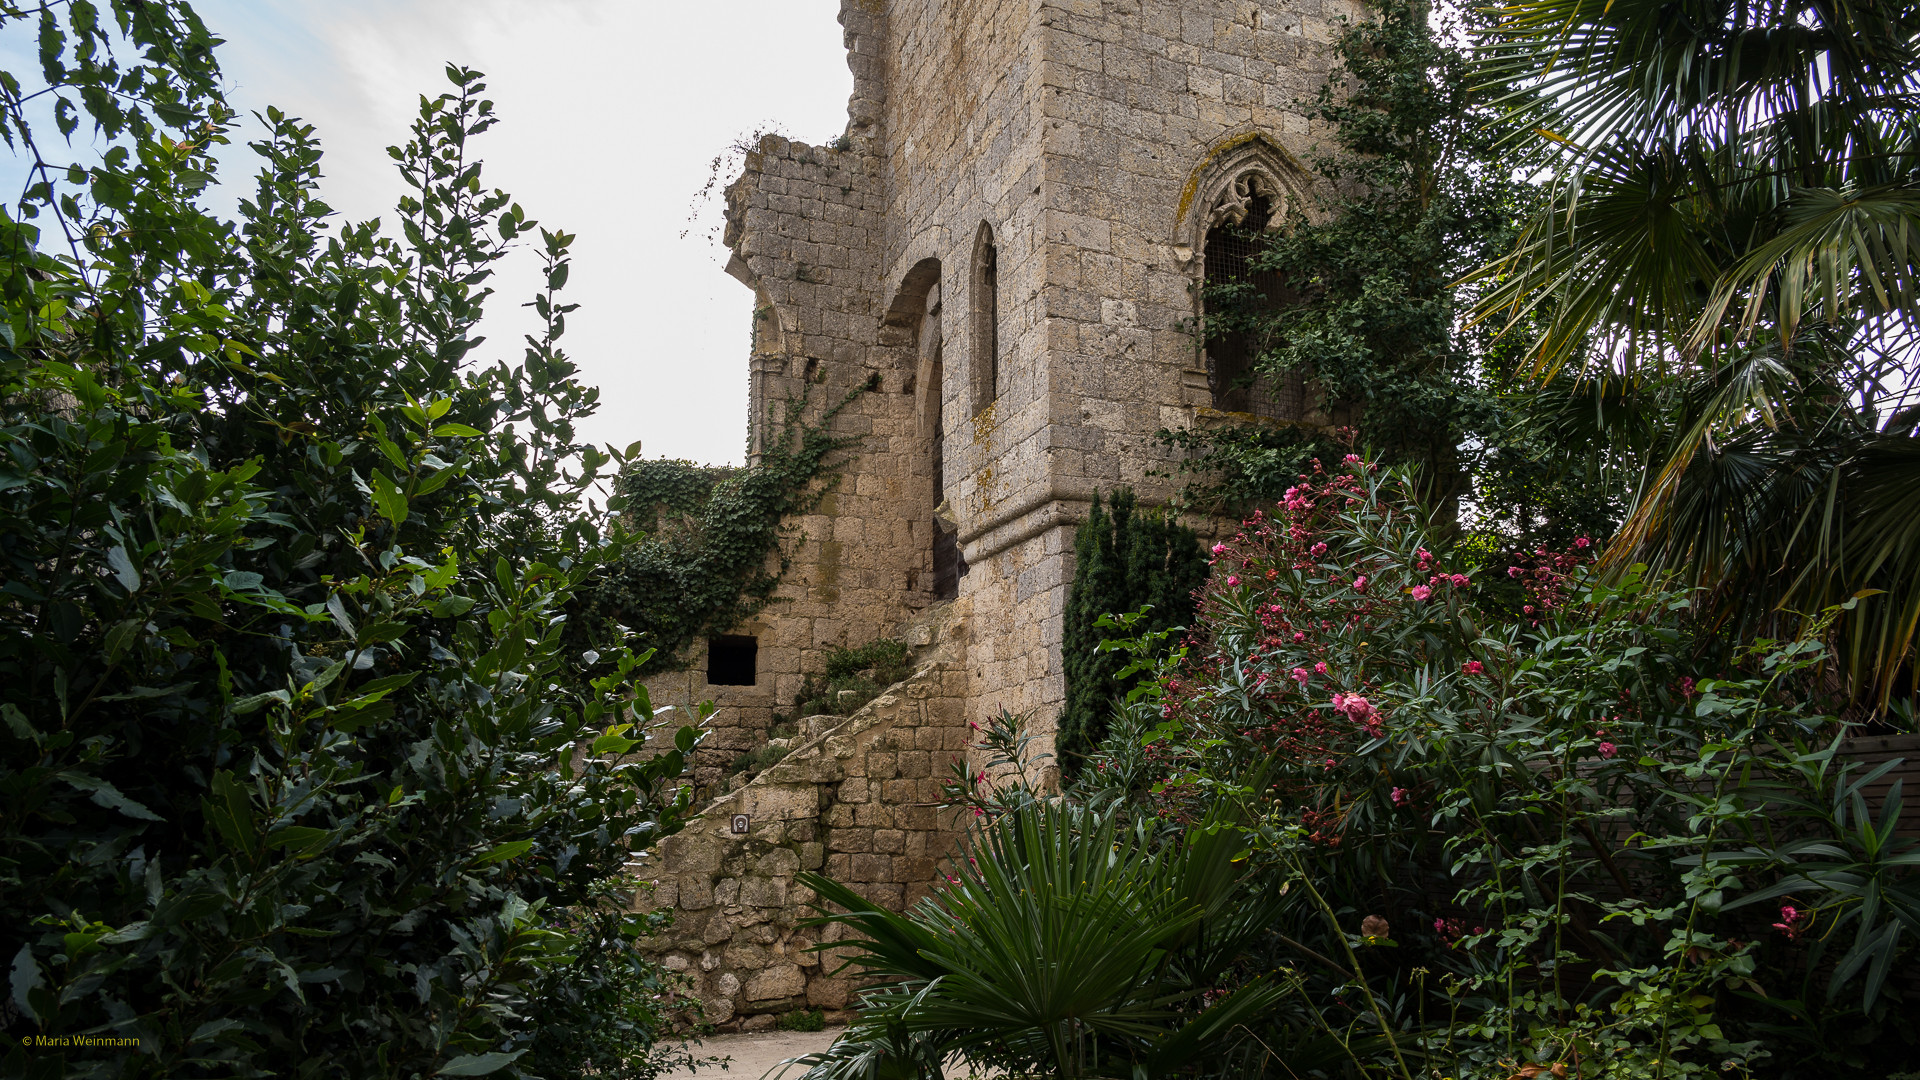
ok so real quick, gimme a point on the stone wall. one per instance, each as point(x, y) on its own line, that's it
point(1095, 141)
point(857, 799)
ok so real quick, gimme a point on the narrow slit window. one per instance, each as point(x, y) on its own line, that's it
point(732, 660)
point(986, 319)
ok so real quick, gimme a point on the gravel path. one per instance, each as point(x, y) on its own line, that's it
point(756, 1054)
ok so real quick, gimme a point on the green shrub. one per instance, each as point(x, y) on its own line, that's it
point(865, 671)
point(755, 761)
point(802, 1020)
point(307, 767)
point(1123, 561)
point(1552, 839)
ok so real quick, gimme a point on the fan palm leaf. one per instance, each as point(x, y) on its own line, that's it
point(1064, 944)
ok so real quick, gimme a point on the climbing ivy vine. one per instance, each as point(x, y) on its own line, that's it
point(716, 541)
point(1413, 197)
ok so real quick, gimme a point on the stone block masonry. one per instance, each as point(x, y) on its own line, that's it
point(1007, 246)
point(857, 799)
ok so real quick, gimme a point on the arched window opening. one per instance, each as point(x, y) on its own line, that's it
point(986, 320)
point(1238, 296)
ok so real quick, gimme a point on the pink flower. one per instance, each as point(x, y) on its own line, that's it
point(1461, 581)
point(1582, 542)
point(1399, 796)
point(1299, 635)
point(1300, 676)
point(1355, 708)
point(1219, 549)
point(1360, 583)
point(1320, 666)
point(1233, 579)
point(1473, 667)
point(1686, 686)
point(1317, 550)
point(1607, 749)
point(1512, 571)
point(1421, 592)
point(1790, 919)
point(1425, 555)
point(1528, 608)
point(1275, 609)
point(1351, 458)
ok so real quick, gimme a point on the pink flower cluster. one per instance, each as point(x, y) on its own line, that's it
point(1791, 921)
point(1359, 710)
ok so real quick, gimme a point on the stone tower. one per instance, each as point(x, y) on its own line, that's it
point(1005, 244)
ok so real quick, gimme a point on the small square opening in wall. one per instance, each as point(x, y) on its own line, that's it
point(731, 660)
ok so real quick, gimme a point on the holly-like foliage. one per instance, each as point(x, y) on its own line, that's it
point(302, 769)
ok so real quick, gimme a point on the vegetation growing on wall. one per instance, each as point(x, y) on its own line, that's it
point(849, 678)
point(1413, 197)
point(1124, 560)
point(710, 553)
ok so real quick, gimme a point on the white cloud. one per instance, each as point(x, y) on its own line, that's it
point(611, 113)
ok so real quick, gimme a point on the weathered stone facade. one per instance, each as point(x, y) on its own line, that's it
point(857, 799)
point(1006, 245)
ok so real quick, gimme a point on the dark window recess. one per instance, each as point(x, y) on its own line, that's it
point(731, 660)
point(948, 565)
point(1230, 355)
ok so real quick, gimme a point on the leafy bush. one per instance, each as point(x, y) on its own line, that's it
point(1569, 844)
point(802, 1020)
point(1123, 560)
point(1067, 945)
point(309, 767)
point(864, 671)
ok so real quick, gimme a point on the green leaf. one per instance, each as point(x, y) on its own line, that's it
point(509, 850)
point(479, 1064)
point(304, 837)
point(451, 606)
point(388, 499)
point(24, 978)
point(254, 702)
point(458, 430)
point(106, 795)
point(123, 570)
point(121, 637)
point(18, 724)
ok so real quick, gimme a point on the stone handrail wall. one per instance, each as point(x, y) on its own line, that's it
point(857, 800)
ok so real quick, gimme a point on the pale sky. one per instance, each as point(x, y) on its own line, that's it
point(611, 112)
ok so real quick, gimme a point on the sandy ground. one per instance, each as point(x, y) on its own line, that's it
point(754, 1055)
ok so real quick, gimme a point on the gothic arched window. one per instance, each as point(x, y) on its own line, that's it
point(1238, 295)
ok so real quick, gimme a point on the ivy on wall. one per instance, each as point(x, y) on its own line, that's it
point(715, 545)
point(1415, 197)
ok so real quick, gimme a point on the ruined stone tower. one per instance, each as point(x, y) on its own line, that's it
point(1006, 244)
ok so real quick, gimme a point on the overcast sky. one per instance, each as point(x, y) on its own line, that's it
point(611, 114)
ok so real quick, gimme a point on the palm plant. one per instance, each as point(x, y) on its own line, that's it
point(1066, 946)
point(1729, 252)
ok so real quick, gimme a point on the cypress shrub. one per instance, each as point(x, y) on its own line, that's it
point(1123, 560)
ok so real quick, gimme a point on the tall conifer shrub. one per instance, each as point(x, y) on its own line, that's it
point(1123, 560)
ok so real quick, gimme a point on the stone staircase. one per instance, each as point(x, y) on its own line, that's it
point(858, 799)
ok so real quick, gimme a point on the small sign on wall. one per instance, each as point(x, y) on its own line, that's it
point(741, 823)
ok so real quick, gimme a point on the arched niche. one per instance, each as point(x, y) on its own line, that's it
point(1246, 188)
